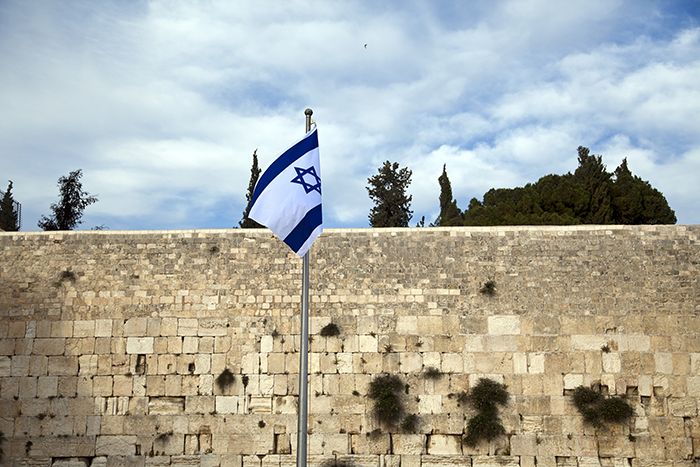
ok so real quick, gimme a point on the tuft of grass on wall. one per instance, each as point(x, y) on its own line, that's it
point(489, 288)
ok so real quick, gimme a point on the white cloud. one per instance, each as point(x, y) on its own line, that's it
point(162, 103)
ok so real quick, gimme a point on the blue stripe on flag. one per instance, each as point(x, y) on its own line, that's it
point(306, 226)
point(285, 160)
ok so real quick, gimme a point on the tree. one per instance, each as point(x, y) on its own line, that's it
point(9, 217)
point(590, 195)
point(636, 202)
point(246, 222)
point(596, 182)
point(73, 201)
point(387, 190)
point(449, 212)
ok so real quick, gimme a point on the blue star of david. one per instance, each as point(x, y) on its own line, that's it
point(308, 187)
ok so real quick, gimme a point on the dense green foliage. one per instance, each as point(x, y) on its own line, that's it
point(73, 201)
point(387, 190)
point(246, 222)
point(485, 397)
point(9, 218)
point(590, 195)
point(597, 409)
point(384, 390)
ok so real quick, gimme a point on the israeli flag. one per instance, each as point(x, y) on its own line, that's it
point(287, 197)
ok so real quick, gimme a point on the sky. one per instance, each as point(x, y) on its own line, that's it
point(162, 103)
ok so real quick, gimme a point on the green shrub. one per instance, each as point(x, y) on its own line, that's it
point(384, 391)
point(408, 424)
point(485, 397)
point(330, 330)
point(225, 379)
point(597, 409)
point(483, 425)
point(432, 373)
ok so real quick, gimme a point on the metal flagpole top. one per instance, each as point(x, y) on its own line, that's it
point(308, 113)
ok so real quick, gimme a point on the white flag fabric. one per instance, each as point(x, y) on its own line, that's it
point(287, 196)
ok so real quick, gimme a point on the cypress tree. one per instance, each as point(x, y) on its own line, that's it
point(246, 222)
point(450, 214)
point(9, 217)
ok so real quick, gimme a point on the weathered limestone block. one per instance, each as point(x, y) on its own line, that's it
point(371, 443)
point(445, 461)
point(407, 325)
point(51, 346)
point(409, 444)
point(344, 363)
point(62, 329)
point(259, 405)
point(213, 327)
point(452, 363)
point(226, 404)
point(136, 327)
point(572, 381)
point(430, 404)
point(588, 461)
point(245, 443)
point(430, 325)
point(187, 327)
point(5, 366)
point(504, 325)
point(444, 445)
point(368, 343)
point(166, 405)
point(682, 407)
point(190, 344)
point(115, 446)
point(611, 362)
point(139, 345)
point(64, 446)
point(523, 445)
point(495, 461)
point(20, 365)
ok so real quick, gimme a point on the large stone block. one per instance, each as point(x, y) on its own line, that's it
point(444, 445)
point(115, 446)
point(139, 345)
point(409, 444)
point(504, 325)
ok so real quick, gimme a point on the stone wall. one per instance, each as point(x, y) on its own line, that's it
point(111, 344)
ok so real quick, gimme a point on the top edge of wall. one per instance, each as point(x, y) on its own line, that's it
point(375, 231)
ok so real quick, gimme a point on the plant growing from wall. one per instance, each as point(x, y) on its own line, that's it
point(597, 409)
point(489, 288)
point(432, 373)
point(65, 276)
point(330, 330)
point(225, 379)
point(485, 397)
point(408, 424)
point(385, 390)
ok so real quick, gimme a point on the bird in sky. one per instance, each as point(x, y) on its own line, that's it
point(365, 46)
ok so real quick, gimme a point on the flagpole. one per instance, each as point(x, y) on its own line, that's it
point(304, 349)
